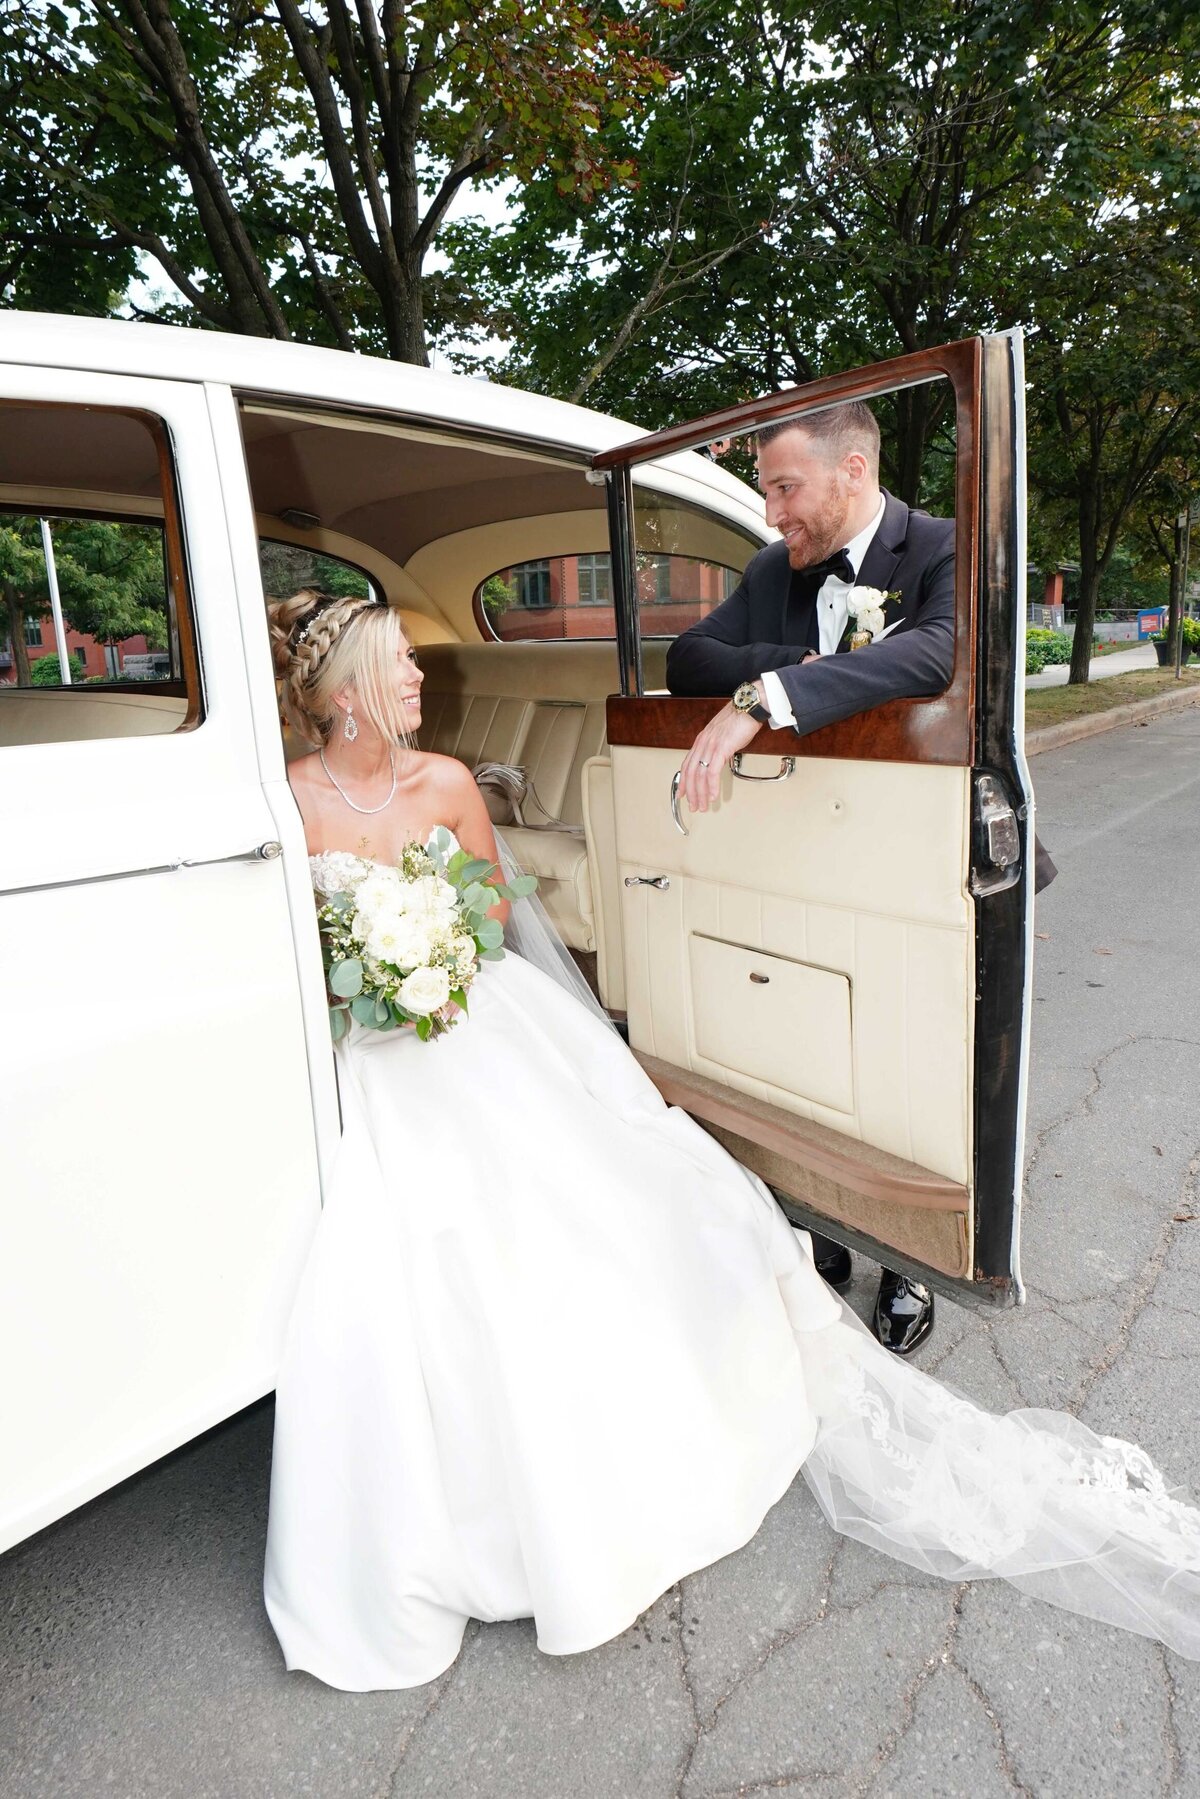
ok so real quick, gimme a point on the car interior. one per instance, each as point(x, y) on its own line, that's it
point(858, 939)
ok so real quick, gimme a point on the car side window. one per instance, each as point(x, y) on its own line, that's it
point(97, 636)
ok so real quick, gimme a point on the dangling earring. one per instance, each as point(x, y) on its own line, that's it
point(350, 728)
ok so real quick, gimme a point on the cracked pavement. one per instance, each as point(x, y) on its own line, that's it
point(137, 1659)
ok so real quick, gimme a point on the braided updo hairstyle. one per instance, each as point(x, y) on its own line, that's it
point(324, 645)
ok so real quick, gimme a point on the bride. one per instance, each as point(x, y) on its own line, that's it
point(553, 1349)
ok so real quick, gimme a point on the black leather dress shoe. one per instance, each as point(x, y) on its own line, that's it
point(903, 1313)
point(832, 1263)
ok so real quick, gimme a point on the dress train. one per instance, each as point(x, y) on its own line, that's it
point(554, 1349)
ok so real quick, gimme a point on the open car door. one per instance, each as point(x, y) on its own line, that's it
point(830, 969)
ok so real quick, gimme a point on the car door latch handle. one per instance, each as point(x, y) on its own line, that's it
point(787, 766)
point(262, 852)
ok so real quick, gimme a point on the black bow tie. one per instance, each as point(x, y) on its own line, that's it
point(838, 564)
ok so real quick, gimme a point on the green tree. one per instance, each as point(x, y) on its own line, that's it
point(1115, 374)
point(110, 578)
point(826, 186)
point(287, 167)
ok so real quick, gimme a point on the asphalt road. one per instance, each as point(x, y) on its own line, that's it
point(137, 1661)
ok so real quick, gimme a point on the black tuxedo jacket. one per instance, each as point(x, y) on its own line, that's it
point(765, 625)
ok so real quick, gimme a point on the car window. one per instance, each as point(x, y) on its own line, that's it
point(572, 596)
point(287, 567)
point(97, 636)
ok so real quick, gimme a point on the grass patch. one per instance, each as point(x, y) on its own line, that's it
point(1051, 705)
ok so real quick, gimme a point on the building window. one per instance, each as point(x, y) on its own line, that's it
point(531, 582)
point(661, 570)
point(33, 631)
point(595, 580)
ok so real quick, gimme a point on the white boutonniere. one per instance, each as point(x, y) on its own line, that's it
point(865, 606)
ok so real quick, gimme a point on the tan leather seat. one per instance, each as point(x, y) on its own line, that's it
point(540, 706)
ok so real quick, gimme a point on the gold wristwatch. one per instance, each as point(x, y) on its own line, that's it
point(745, 699)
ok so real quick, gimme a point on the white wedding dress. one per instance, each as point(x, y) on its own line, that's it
point(553, 1350)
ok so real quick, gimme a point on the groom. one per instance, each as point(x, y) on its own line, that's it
point(776, 645)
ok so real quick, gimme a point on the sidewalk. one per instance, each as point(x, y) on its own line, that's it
point(1121, 662)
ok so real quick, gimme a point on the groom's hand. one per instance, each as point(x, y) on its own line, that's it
point(720, 740)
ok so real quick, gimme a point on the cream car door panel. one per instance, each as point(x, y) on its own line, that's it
point(838, 951)
point(753, 1013)
point(823, 871)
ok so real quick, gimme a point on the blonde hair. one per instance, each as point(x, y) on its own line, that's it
point(323, 645)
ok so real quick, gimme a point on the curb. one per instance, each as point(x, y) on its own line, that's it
point(1056, 737)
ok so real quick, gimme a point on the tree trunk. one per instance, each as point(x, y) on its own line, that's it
point(16, 634)
point(404, 311)
point(1090, 571)
point(1175, 614)
point(912, 435)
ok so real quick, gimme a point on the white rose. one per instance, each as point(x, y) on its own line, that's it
point(870, 619)
point(425, 990)
point(462, 948)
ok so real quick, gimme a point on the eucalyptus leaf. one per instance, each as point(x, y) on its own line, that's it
point(339, 1024)
point(491, 955)
point(491, 933)
point(523, 885)
point(383, 1013)
point(362, 1007)
point(346, 978)
point(477, 868)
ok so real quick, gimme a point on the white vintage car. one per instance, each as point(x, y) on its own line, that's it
point(169, 1098)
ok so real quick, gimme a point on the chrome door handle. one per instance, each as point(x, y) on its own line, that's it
point(662, 882)
point(787, 766)
point(676, 778)
point(262, 852)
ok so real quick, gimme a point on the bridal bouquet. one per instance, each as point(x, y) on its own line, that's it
point(403, 944)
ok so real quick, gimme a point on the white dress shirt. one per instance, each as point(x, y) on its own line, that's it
point(833, 610)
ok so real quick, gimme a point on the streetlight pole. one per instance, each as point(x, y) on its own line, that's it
point(60, 630)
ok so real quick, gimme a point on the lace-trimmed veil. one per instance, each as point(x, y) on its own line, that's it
point(532, 935)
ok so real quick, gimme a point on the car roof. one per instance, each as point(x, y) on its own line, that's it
point(265, 367)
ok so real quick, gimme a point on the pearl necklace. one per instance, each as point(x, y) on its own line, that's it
point(356, 808)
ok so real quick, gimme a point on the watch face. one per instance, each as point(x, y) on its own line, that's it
point(745, 697)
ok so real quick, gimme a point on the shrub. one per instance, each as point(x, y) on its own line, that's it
point(47, 670)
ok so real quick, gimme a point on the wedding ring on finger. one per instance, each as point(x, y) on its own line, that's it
point(702, 762)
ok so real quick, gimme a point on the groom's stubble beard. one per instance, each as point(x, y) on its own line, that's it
point(824, 530)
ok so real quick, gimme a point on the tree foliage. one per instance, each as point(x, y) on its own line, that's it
point(110, 579)
point(287, 166)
